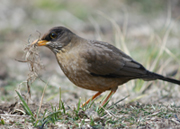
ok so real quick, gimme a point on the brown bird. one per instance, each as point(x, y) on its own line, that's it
point(94, 65)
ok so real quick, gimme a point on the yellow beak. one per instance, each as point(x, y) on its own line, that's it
point(40, 42)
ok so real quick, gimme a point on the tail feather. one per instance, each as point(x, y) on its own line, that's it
point(154, 76)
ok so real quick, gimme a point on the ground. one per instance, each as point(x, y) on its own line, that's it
point(148, 31)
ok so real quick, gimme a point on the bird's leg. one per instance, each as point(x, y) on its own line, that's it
point(107, 98)
point(95, 96)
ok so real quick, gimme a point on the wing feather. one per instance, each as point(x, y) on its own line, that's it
point(106, 60)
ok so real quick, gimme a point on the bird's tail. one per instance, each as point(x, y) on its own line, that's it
point(153, 76)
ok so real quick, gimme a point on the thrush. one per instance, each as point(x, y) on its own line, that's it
point(94, 65)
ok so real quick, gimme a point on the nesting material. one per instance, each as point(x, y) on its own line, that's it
point(34, 62)
point(33, 59)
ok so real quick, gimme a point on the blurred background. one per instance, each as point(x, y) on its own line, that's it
point(146, 30)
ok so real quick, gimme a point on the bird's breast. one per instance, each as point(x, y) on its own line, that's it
point(73, 66)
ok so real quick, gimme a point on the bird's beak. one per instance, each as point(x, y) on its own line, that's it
point(40, 42)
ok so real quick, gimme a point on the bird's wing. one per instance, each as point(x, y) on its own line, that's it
point(106, 60)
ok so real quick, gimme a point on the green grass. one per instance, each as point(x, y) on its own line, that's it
point(114, 116)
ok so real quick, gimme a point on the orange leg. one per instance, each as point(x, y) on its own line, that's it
point(95, 96)
point(107, 98)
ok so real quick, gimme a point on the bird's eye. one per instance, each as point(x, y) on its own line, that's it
point(53, 35)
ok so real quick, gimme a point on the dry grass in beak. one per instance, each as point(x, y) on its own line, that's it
point(35, 65)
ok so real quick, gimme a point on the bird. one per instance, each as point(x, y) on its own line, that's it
point(94, 65)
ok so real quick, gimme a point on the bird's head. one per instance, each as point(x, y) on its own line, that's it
point(55, 39)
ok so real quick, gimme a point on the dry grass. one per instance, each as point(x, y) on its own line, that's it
point(33, 60)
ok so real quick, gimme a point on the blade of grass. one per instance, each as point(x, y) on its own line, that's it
point(25, 106)
point(60, 101)
point(40, 104)
point(79, 104)
point(162, 49)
